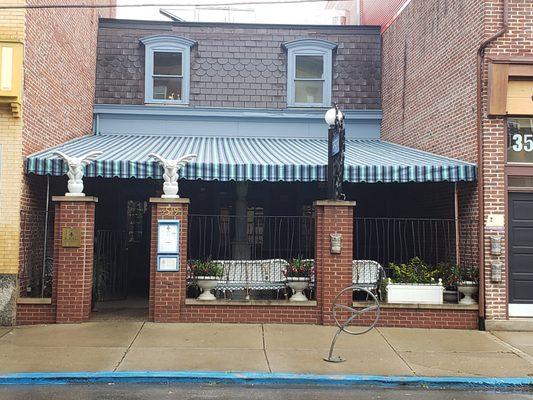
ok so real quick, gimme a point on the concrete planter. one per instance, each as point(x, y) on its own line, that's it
point(468, 289)
point(418, 293)
point(298, 285)
point(206, 284)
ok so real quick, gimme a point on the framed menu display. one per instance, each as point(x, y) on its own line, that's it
point(168, 245)
point(168, 236)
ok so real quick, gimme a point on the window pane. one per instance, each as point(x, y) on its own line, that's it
point(520, 181)
point(167, 63)
point(309, 67)
point(520, 140)
point(167, 88)
point(309, 91)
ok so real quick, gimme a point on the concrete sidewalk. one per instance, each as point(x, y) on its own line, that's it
point(136, 346)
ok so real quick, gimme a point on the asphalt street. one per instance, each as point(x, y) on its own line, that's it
point(227, 392)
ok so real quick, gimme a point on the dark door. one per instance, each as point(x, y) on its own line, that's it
point(521, 248)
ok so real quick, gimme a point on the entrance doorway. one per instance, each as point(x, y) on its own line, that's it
point(122, 264)
point(521, 254)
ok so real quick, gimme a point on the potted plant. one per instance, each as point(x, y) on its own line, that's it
point(298, 274)
point(468, 284)
point(415, 282)
point(450, 276)
point(206, 274)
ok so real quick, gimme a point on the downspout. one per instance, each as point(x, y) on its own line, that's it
point(480, 191)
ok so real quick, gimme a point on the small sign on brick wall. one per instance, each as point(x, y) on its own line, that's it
point(71, 237)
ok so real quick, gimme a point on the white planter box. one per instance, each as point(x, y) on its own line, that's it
point(415, 293)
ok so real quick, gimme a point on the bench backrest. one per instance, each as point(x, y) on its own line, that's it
point(366, 271)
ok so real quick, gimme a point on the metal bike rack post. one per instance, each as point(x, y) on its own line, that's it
point(355, 313)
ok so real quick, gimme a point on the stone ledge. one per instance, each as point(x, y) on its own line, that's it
point(445, 306)
point(511, 324)
point(337, 203)
point(34, 300)
point(89, 199)
point(178, 200)
point(252, 303)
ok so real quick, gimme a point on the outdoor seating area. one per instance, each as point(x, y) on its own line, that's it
point(268, 279)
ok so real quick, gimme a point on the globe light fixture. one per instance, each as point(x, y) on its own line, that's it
point(330, 116)
point(334, 116)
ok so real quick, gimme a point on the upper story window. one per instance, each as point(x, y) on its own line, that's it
point(309, 72)
point(167, 69)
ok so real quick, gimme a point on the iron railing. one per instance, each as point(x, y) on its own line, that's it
point(226, 237)
point(110, 269)
point(397, 240)
point(36, 253)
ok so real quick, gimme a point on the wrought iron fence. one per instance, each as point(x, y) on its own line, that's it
point(36, 253)
point(397, 240)
point(110, 270)
point(227, 237)
point(253, 250)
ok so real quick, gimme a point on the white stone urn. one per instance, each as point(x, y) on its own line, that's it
point(298, 285)
point(206, 284)
point(468, 288)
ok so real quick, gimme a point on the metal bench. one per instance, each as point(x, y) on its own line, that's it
point(367, 274)
point(251, 275)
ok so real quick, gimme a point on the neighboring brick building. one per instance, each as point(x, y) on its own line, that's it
point(430, 102)
point(59, 53)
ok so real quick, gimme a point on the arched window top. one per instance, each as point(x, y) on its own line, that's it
point(309, 72)
point(167, 41)
point(317, 44)
point(167, 69)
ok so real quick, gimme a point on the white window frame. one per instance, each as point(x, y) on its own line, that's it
point(170, 44)
point(309, 47)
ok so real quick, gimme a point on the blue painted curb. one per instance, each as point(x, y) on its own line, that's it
point(257, 378)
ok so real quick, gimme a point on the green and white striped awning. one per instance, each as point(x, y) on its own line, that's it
point(252, 159)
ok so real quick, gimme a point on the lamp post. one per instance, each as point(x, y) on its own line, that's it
point(336, 146)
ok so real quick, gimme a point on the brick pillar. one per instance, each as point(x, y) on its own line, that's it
point(168, 289)
point(73, 257)
point(333, 271)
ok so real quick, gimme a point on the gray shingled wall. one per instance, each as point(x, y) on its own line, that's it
point(238, 65)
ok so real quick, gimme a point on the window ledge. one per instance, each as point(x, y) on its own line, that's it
point(34, 300)
point(445, 306)
point(252, 303)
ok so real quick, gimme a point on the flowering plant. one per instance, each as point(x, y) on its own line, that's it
point(299, 268)
point(205, 268)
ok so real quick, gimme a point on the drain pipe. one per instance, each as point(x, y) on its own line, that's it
point(480, 191)
point(43, 275)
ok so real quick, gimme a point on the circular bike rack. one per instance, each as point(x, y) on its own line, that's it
point(355, 313)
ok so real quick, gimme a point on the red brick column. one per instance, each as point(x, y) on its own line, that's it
point(333, 271)
point(74, 265)
point(168, 289)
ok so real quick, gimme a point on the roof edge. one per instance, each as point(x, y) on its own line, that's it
point(147, 24)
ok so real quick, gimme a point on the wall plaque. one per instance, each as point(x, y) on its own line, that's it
point(71, 237)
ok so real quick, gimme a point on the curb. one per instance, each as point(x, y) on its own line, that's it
point(257, 378)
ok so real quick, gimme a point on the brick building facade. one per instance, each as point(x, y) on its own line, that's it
point(430, 102)
point(57, 97)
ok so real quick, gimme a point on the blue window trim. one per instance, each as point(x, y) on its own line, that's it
point(309, 47)
point(166, 43)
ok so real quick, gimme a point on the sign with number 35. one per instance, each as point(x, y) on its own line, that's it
point(523, 142)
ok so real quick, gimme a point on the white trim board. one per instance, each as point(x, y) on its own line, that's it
point(520, 310)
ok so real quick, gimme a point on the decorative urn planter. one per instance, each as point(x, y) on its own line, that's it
point(468, 288)
point(417, 293)
point(206, 284)
point(298, 285)
point(75, 188)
